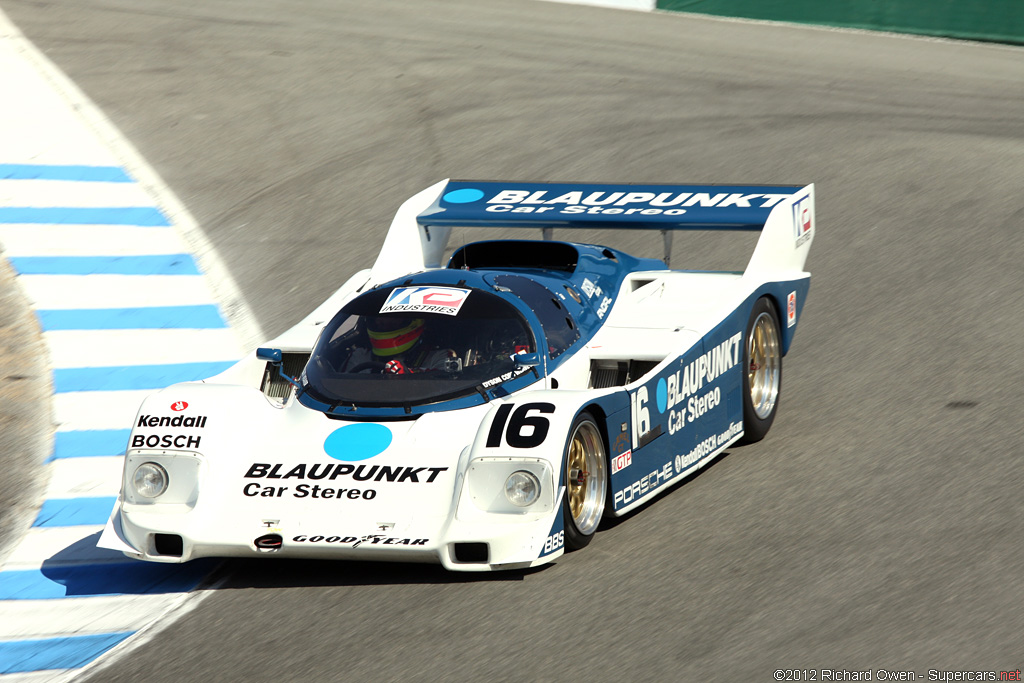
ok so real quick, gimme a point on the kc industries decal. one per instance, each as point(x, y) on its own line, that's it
point(444, 300)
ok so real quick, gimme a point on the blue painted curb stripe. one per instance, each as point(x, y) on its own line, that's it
point(72, 652)
point(141, 216)
point(134, 377)
point(98, 174)
point(75, 511)
point(201, 317)
point(159, 264)
point(113, 578)
point(87, 443)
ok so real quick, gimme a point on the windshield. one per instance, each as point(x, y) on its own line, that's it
point(402, 346)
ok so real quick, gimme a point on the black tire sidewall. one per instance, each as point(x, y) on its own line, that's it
point(754, 427)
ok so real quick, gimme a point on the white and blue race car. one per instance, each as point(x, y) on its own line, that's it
point(484, 411)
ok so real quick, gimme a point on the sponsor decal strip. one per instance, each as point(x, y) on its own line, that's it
point(444, 300)
point(680, 464)
point(86, 227)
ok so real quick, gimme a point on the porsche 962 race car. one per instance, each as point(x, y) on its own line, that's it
point(486, 412)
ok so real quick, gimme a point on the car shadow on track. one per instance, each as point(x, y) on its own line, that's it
point(83, 570)
point(282, 573)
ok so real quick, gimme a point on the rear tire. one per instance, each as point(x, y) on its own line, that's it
point(762, 376)
point(586, 481)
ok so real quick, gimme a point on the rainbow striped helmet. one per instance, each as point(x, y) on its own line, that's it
point(392, 336)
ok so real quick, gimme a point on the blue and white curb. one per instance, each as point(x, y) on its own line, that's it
point(113, 267)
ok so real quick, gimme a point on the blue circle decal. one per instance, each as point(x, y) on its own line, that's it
point(662, 395)
point(464, 196)
point(357, 441)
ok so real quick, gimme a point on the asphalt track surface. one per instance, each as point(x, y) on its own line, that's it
point(878, 524)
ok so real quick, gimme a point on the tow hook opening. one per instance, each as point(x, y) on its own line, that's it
point(269, 543)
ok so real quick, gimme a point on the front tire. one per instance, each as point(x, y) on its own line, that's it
point(586, 481)
point(762, 377)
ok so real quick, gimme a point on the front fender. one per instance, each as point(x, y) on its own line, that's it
point(529, 431)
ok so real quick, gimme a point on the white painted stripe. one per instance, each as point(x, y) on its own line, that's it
point(60, 545)
point(76, 240)
point(89, 477)
point(97, 409)
point(48, 292)
point(48, 676)
point(66, 193)
point(57, 139)
point(30, 619)
point(108, 348)
point(46, 133)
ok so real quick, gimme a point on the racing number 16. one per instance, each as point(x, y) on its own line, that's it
point(641, 415)
point(518, 436)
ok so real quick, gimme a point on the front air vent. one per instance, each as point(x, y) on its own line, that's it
point(471, 553)
point(639, 368)
point(500, 254)
point(276, 386)
point(608, 373)
point(169, 545)
point(618, 373)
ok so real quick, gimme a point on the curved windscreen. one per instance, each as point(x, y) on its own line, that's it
point(559, 328)
point(418, 344)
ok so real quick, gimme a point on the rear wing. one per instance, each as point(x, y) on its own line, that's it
point(783, 214)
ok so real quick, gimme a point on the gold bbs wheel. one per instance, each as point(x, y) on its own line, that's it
point(586, 481)
point(762, 381)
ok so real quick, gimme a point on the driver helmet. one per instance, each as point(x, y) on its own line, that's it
point(391, 336)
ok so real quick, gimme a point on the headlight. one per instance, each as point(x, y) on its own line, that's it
point(150, 480)
point(522, 488)
point(511, 486)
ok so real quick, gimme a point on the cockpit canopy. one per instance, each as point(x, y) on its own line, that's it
point(417, 344)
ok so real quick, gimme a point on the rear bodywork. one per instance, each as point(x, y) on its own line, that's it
point(259, 464)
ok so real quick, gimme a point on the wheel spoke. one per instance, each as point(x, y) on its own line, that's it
point(585, 477)
point(763, 375)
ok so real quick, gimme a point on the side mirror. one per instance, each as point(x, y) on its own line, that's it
point(526, 360)
point(275, 357)
point(269, 355)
